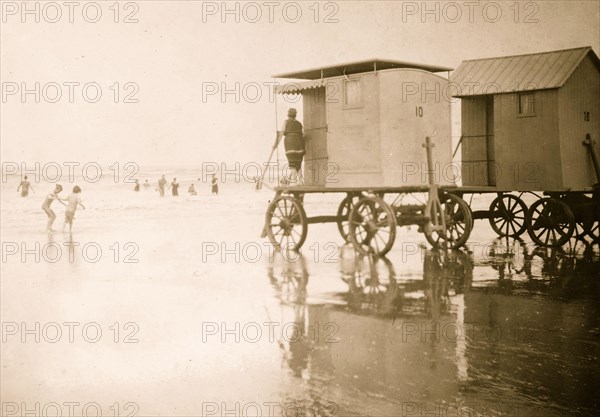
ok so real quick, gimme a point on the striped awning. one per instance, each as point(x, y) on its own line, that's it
point(298, 87)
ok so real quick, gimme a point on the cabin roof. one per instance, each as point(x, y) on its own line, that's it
point(358, 67)
point(528, 72)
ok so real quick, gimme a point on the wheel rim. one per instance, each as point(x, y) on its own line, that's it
point(459, 223)
point(550, 222)
point(582, 229)
point(343, 215)
point(372, 227)
point(507, 215)
point(594, 232)
point(286, 223)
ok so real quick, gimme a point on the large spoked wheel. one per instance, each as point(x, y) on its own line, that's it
point(459, 223)
point(507, 215)
point(343, 215)
point(550, 222)
point(372, 227)
point(286, 223)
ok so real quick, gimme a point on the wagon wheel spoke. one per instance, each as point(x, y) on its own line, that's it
point(553, 235)
point(541, 231)
point(581, 230)
point(502, 224)
point(594, 231)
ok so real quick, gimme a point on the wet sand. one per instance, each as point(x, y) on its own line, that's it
point(505, 330)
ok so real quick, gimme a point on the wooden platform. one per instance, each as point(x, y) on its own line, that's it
point(469, 189)
point(400, 189)
point(322, 190)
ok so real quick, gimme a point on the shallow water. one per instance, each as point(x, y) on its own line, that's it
point(198, 316)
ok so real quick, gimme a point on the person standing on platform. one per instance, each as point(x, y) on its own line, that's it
point(294, 146)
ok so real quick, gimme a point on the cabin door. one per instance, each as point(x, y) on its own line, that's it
point(478, 156)
point(315, 137)
point(489, 140)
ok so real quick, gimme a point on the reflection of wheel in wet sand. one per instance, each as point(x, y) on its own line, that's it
point(373, 284)
point(546, 262)
point(508, 255)
point(289, 276)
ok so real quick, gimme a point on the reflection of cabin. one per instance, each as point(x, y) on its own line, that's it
point(365, 122)
point(393, 359)
point(524, 119)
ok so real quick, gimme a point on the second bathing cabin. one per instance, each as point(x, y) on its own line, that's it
point(524, 119)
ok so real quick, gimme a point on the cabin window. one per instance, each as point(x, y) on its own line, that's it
point(353, 96)
point(526, 104)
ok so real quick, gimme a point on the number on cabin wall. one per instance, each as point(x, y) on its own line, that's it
point(586, 116)
point(419, 111)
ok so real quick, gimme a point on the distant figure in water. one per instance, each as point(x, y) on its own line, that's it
point(174, 187)
point(146, 184)
point(24, 187)
point(192, 190)
point(136, 187)
point(46, 206)
point(161, 186)
point(258, 183)
point(73, 200)
point(214, 185)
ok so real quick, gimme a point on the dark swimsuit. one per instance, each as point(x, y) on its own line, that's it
point(294, 143)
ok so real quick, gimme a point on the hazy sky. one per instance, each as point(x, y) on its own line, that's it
point(177, 49)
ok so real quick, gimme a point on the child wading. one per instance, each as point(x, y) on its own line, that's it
point(73, 201)
point(46, 206)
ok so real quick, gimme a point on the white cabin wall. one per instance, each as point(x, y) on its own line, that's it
point(353, 141)
point(415, 104)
